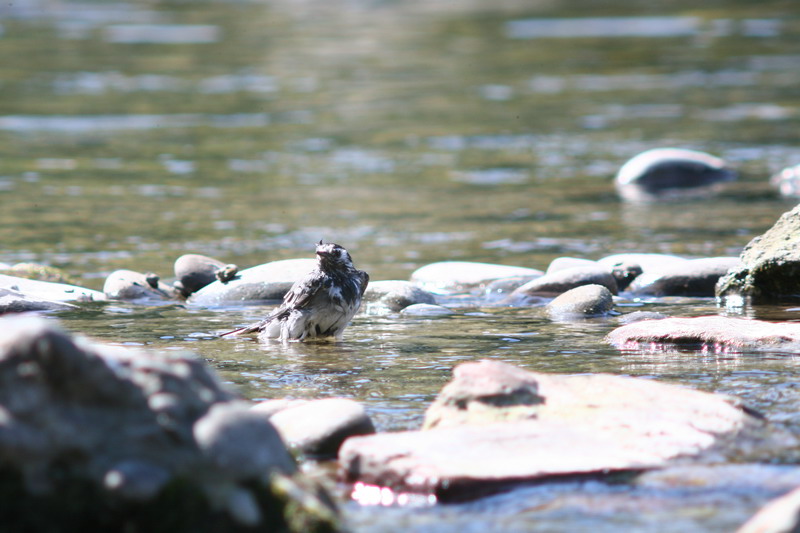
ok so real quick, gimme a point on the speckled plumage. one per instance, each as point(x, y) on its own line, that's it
point(319, 305)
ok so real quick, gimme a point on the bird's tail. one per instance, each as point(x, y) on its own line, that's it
point(252, 328)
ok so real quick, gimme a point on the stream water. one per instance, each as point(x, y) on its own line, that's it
point(409, 132)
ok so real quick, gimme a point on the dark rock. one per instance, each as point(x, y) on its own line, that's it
point(317, 428)
point(45, 290)
point(12, 301)
point(562, 426)
point(664, 172)
point(582, 302)
point(770, 265)
point(194, 271)
point(130, 285)
point(104, 438)
point(450, 277)
point(787, 181)
point(267, 282)
point(636, 316)
point(716, 332)
point(625, 273)
point(694, 277)
point(781, 515)
point(394, 295)
point(426, 310)
point(563, 280)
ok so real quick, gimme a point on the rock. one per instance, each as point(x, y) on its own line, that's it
point(45, 290)
point(646, 262)
point(770, 265)
point(426, 310)
point(317, 428)
point(716, 332)
point(270, 407)
point(625, 273)
point(194, 271)
point(562, 263)
point(636, 316)
point(787, 181)
point(561, 426)
point(130, 285)
point(267, 282)
point(694, 277)
point(39, 272)
point(563, 280)
point(394, 295)
point(665, 172)
point(105, 438)
point(449, 277)
point(582, 302)
point(12, 301)
point(502, 288)
point(781, 515)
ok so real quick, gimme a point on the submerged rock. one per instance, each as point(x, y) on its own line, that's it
point(717, 332)
point(317, 428)
point(130, 285)
point(102, 438)
point(561, 281)
point(495, 425)
point(694, 277)
point(582, 302)
point(194, 271)
point(45, 290)
point(664, 172)
point(267, 282)
point(426, 310)
point(450, 277)
point(393, 295)
point(770, 265)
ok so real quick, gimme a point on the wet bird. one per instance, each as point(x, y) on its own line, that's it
point(319, 305)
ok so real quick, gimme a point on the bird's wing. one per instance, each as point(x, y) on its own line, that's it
point(364, 281)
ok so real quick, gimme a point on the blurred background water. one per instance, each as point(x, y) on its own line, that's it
point(409, 132)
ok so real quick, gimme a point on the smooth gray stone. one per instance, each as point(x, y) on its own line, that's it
point(319, 427)
point(663, 172)
point(452, 277)
point(769, 268)
point(393, 295)
point(267, 282)
point(787, 181)
point(130, 285)
point(45, 290)
point(194, 271)
point(501, 288)
point(694, 277)
point(426, 310)
point(563, 280)
point(587, 424)
point(582, 302)
point(645, 260)
point(717, 332)
point(563, 263)
point(12, 301)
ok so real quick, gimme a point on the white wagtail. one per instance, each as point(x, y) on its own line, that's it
point(319, 305)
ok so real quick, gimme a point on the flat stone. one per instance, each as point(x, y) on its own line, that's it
point(45, 290)
point(718, 332)
point(130, 285)
point(393, 295)
point(694, 277)
point(12, 301)
point(582, 302)
point(664, 172)
point(770, 264)
point(563, 280)
point(450, 277)
point(267, 282)
point(586, 425)
point(317, 428)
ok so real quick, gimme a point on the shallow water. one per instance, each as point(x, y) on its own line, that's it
point(410, 132)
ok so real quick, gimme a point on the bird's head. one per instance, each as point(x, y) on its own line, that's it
point(333, 257)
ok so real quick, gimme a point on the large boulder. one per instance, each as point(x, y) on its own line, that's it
point(45, 290)
point(693, 277)
point(664, 172)
point(263, 283)
point(102, 438)
point(449, 277)
point(495, 424)
point(715, 332)
point(770, 265)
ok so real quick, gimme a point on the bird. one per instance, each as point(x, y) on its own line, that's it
point(319, 305)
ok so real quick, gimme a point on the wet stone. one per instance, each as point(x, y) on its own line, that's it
point(636, 316)
point(12, 301)
point(582, 302)
point(694, 277)
point(563, 280)
point(130, 285)
point(562, 263)
point(194, 271)
point(45, 290)
point(393, 296)
point(426, 310)
point(451, 277)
